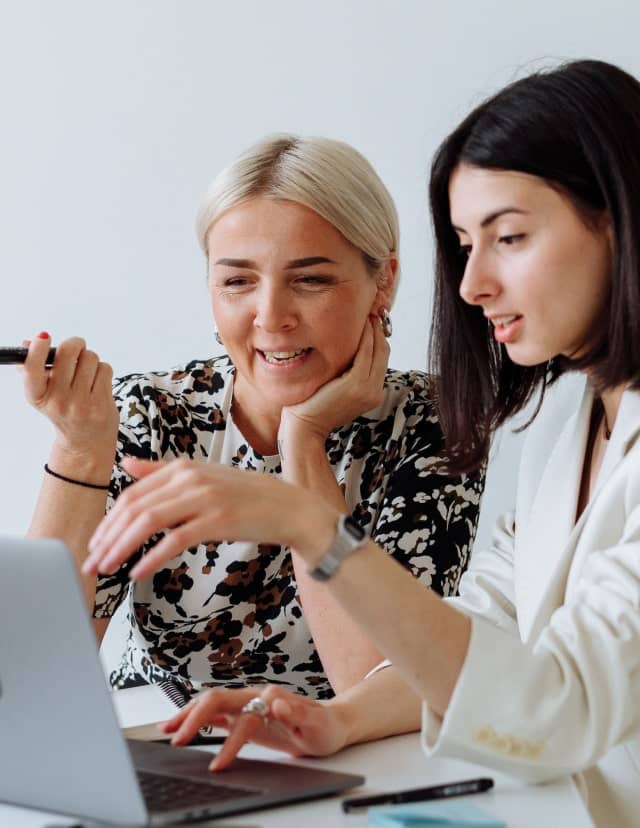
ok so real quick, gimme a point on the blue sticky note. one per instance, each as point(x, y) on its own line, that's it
point(433, 815)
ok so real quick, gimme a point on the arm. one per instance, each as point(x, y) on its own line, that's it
point(422, 517)
point(345, 650)
point(214, 501)
point(570, 695)
point(75, 395)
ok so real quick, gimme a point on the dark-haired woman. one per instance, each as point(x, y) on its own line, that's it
point(535, 668)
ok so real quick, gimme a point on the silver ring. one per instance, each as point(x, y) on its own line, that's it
point(258, 707)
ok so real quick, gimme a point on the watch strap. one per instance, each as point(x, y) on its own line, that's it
point(348, 538)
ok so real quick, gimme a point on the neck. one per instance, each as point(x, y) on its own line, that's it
point(611, 403)
point(258, 424)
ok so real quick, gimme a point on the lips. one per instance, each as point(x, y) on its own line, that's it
point(283, 357)
point(506, 327)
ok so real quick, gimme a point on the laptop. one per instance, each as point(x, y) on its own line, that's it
point(61, 748)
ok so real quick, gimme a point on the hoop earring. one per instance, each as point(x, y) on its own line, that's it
point(217, 337)
point(385, 322)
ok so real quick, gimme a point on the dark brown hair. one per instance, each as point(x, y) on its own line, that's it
point(578, 128)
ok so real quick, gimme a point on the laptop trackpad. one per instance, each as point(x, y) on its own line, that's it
point(193, 763)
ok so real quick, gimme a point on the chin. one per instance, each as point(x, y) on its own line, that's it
point(528, 358)
point(288, 400)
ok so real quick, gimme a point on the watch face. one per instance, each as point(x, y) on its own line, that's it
point(353, 529)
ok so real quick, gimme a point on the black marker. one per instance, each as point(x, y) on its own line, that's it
point(468, 786)
point(17, 355)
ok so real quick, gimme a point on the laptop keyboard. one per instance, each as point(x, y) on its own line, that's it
point(168, 793)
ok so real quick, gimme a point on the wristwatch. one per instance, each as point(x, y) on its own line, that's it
point(349, 537)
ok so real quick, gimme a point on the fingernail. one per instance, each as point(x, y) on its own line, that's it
point(43, 335)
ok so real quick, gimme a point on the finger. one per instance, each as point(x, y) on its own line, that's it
point(85, 373)
point(175, 722)
point(245, 728)
point(65, 364)
point(35, 375)
point(161, 509)
point(380, 356)
point(129, 527)
point(113, 527)
point(137, 468)
point(134, 468)
point(103, 379)
point(211, 708)
point(159, 481)
point(299, 721)
point(300, 725)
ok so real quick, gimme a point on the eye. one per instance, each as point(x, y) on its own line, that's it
point(464, 251)
point(512, 239)
point(235, 282)
point(314, 280)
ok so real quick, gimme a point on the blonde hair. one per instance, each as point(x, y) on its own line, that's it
point(328, 176)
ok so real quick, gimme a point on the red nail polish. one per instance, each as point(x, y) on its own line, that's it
point(43, 335)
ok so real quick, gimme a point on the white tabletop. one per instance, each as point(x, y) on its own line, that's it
point(389, 764)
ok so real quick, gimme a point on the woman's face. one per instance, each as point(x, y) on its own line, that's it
point(537, 270)
point(290, 298)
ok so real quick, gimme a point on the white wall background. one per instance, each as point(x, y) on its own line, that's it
point(115, 115)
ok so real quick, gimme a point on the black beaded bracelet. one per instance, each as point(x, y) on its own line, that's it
point(75, 482)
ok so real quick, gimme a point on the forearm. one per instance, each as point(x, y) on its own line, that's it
point(71, 512)
point(346, 652)
point(427, 639)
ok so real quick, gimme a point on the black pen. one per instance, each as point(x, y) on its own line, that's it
point(14, 355)
point(468, 786)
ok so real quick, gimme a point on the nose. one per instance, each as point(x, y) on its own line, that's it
point(478, 282)
point(274, 309)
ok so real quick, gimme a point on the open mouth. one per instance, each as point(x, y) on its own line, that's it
point(503, 321)
point(284, 357)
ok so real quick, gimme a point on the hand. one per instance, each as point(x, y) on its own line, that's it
point(295, 724)
point(199, 502)
point(74, 394)
point(344, 398)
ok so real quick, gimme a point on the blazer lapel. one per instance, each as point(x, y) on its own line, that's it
point(625, 432)
point(543, 551)
point(546, 552)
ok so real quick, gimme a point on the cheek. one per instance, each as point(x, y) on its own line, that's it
point(227, 314)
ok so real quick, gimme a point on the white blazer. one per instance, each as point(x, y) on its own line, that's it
point(551, 681)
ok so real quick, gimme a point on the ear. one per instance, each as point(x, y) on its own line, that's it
point(386, 281)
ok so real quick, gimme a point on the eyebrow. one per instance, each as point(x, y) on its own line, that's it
point(309, 261)
point(493, 216)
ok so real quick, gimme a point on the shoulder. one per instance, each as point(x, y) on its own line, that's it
point(198, 378)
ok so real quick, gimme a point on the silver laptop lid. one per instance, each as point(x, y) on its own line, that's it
point(61, 748)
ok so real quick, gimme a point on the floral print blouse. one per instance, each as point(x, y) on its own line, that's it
point(228, 613)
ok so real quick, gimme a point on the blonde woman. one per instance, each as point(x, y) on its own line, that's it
point(301, 240)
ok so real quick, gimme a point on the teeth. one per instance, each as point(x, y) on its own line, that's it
point(283, 356)
point(504, 320)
